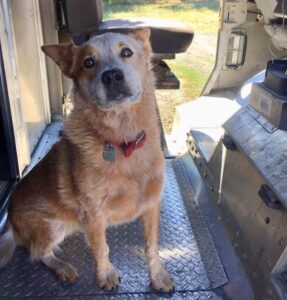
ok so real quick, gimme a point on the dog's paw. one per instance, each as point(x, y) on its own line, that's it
point(162, 281)
point(108, 280)
point(67, 273)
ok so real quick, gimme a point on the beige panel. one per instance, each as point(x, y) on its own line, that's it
point(27, 34)
point(50, 36)
point(14, 92)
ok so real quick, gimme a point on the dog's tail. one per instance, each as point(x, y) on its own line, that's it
point(7, 245)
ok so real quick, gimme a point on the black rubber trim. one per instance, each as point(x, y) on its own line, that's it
point(8, 155)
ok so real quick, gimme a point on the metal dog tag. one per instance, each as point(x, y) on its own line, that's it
point(109, 153)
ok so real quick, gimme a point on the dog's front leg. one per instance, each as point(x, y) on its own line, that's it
point(107, 276)
point(160, 278)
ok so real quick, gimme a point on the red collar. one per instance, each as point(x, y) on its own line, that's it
point(129, 147)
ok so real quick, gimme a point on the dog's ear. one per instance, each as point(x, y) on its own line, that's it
point(142, 35)
point(62, 55)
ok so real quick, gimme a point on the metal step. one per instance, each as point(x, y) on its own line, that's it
point(186, 248)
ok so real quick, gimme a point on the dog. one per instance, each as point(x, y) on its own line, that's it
point(107, 169)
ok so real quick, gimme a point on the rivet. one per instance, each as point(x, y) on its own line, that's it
point(268, 263)
point(244, 255)
point(205, 174)
point(269, 292)
point(235, 244)
point(212, 188)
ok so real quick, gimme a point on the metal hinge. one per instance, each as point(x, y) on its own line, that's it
point(228, 142)
point(269, 197)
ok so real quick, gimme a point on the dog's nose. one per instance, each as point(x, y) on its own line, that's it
point(112, 76)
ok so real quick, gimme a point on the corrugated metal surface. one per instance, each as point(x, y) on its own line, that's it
point(186, 248)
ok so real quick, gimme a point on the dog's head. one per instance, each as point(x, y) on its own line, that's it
point(109, 69)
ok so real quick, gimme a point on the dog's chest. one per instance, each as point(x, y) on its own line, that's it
point(98, 174)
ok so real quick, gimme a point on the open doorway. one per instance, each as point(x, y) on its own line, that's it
point(192, 67)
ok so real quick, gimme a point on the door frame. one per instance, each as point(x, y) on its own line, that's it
point(9, 53)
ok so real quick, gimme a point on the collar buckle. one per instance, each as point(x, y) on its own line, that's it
point(140, 140)
point(129, 147)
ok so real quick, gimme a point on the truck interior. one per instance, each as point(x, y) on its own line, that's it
point(223, 218)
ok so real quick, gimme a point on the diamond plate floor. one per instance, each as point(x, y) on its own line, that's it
point(186, 248)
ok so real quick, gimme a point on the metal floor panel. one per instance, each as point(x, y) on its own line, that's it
point(202, 295)
point(186, 248)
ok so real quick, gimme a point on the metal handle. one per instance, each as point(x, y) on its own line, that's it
point(228, 142)
point(269, 197)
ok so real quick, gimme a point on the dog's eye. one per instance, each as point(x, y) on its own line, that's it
point(126, 52)
point(89, 63)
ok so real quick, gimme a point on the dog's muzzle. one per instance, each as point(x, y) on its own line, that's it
point(112, 77)
point(115, 85)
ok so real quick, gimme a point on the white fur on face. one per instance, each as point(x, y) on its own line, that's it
point(109, 47)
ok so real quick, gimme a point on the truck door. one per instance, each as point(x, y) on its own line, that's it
point(26, 76)
point(26, 22)
point(24, 97)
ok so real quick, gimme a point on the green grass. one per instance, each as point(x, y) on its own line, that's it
point(191, 84)
point(192, 80)
point(199, 15)
point(192, 68)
